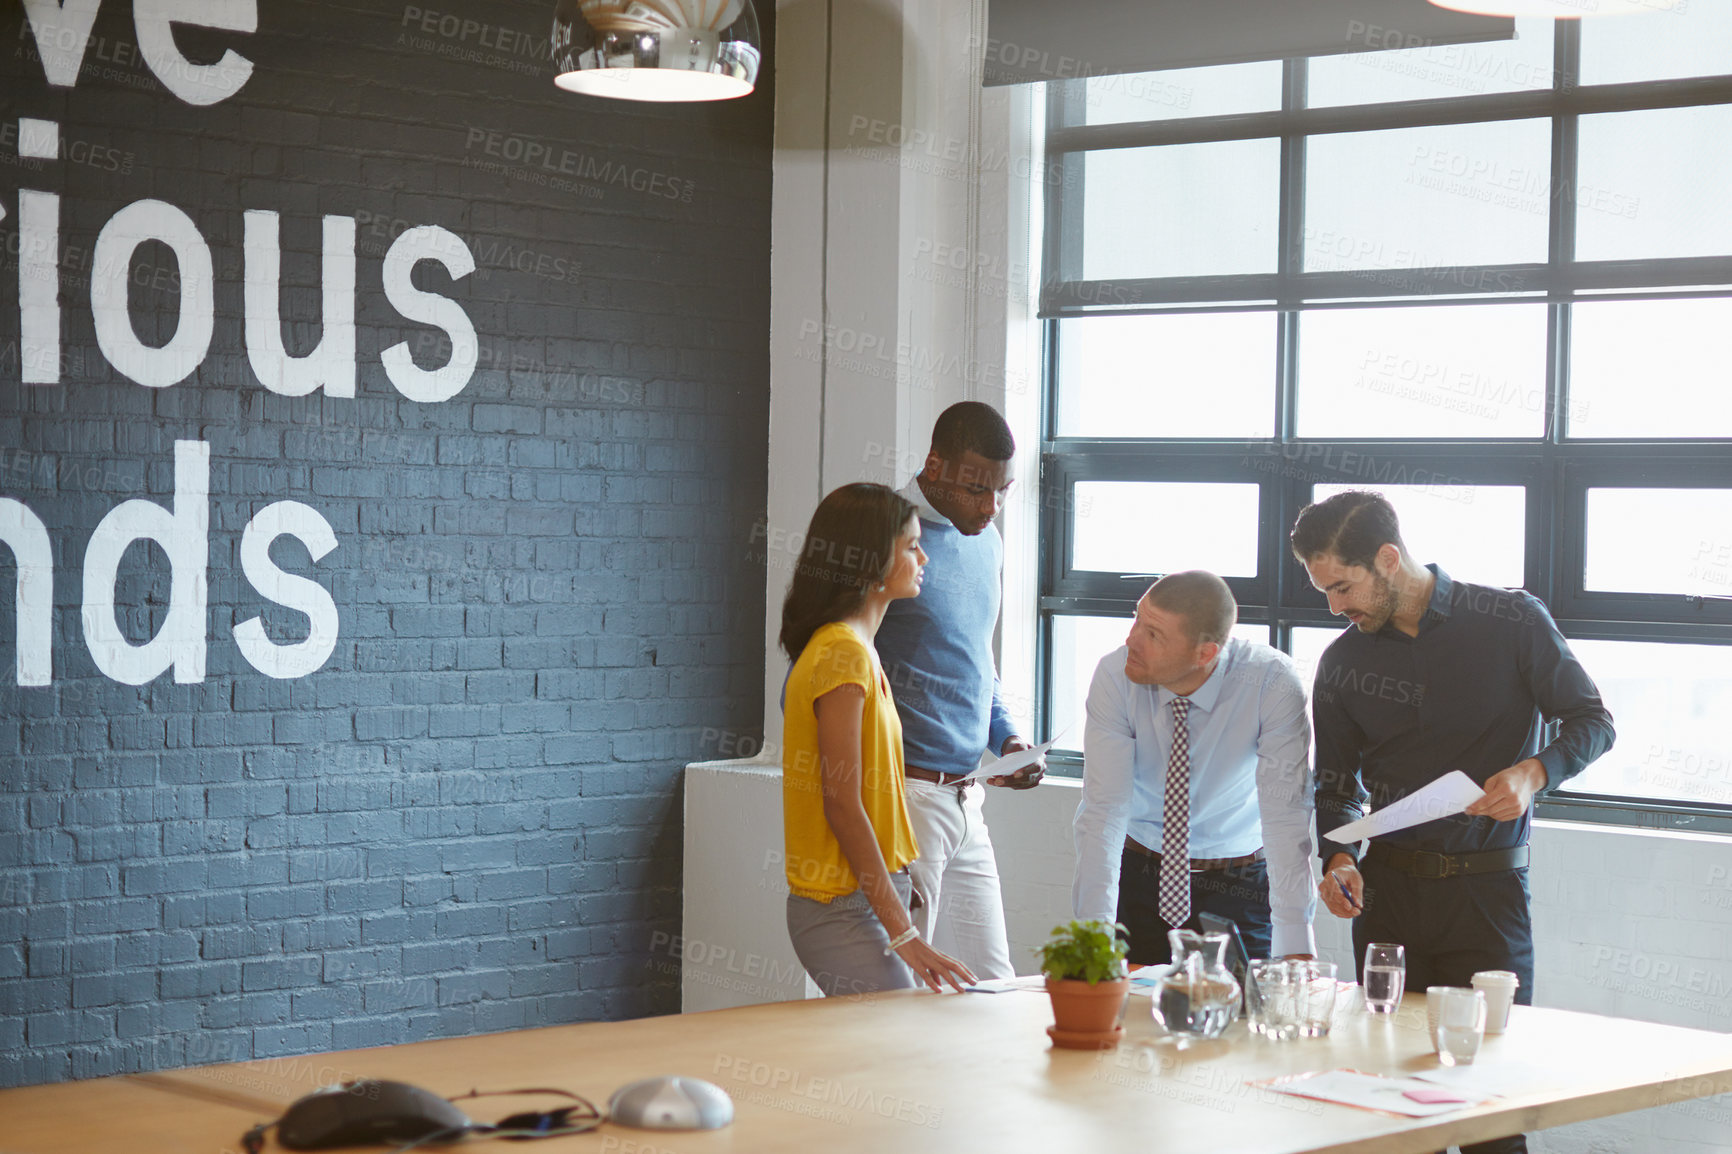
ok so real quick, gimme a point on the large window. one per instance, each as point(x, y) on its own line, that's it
point(1493, 281)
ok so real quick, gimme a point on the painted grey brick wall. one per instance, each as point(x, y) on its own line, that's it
point(468, 818)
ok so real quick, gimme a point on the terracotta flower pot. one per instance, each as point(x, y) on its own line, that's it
point(1086, 1017)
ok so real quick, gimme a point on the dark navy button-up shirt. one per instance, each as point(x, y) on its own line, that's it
point(1472, 691)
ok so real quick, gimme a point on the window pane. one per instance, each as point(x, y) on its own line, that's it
point(1078, 644)
point(1475, 532)
point(1429, 73)
point(1417, 198)
point(1650, 369)
point(1182, 375)
point(1162, 527)
point(1181, 210)
point(1693, 41)
point(1653, 184)
point(1178, 93)
point(1659, 541)
point(1670, 704)
point(1309, 642)
point(1442, 371)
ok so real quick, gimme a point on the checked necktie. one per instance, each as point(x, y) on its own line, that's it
point(1175, 877)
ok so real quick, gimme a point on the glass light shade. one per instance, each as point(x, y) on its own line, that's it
point(1560, 9)
point(661, 50)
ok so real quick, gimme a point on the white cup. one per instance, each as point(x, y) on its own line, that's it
point(1499, 987)
point(1433, 1002)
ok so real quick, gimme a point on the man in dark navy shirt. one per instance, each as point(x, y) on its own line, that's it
point(1436, 675)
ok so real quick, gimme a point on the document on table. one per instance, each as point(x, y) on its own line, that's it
point(1493, 1078)
point(1445, 797)
point(1012, 762)
point(1035, 982)
point(1406, 1096)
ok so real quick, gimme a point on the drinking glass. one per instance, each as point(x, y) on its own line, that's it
point(1460, 1025)
point(1384, 977)
point(1316, 991)
point(1275, 1013)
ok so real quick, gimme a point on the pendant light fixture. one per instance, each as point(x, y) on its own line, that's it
point(1561, 9)
point(661, 50)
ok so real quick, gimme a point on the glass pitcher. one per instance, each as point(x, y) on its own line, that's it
point(1196, 996)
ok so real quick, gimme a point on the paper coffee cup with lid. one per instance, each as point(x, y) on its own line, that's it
point(1500, 989)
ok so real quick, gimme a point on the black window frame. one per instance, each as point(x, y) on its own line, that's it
point(1555, 470)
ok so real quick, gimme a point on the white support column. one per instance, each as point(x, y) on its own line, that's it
point(899, 254)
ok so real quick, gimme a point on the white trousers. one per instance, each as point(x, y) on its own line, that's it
point(956, 877)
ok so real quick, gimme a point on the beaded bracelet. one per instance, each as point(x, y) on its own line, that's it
point(901, 940)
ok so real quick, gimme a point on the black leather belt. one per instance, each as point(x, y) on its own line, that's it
point(1200, 864)
point(1421, 863)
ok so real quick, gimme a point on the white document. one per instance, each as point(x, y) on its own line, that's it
point(1491, 1078)
point(1010, 764)
point(1448, 795)
point(1375, 1092)
point(1033, 982)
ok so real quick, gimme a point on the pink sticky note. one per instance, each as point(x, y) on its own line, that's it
point(1431, 1097)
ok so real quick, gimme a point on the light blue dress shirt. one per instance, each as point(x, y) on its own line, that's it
point(1250, 780)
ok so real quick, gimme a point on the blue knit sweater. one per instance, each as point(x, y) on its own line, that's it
point(937, 649)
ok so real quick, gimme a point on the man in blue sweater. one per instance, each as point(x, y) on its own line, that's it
point(937, 653)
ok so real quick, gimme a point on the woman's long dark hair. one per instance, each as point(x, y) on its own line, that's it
point(848, 548)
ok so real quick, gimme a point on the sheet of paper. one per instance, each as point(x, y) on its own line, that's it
point(1016, 761)
point(1371, 1092)
point(1448, 795)
point(1493, 1079)
point(1035, 982)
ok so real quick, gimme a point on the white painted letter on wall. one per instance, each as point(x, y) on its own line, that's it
point(39, 286)
point(62, 29)
point(138, 222)
point(306, 525)
point(28, 537)
point(331, 364)
point(184, 535)
point(194, 83)
point(429, 242)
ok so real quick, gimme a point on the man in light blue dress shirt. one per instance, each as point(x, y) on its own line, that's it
point(1248, 827)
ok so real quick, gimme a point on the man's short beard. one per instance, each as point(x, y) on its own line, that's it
point(1387, 600)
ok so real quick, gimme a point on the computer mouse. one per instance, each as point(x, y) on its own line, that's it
point(670, 1102)
point(365, 1112)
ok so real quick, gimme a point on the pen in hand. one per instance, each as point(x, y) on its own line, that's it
point(1345, 892)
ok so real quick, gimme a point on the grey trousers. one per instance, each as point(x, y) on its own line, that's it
point(841, 943)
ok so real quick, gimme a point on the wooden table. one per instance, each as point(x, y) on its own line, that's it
point(915, 1073)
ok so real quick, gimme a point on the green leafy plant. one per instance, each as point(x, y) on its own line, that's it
point(1091, 951)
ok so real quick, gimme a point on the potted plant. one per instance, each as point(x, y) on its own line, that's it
point(1084, 964)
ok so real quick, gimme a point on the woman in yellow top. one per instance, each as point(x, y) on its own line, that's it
point(844, 818)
